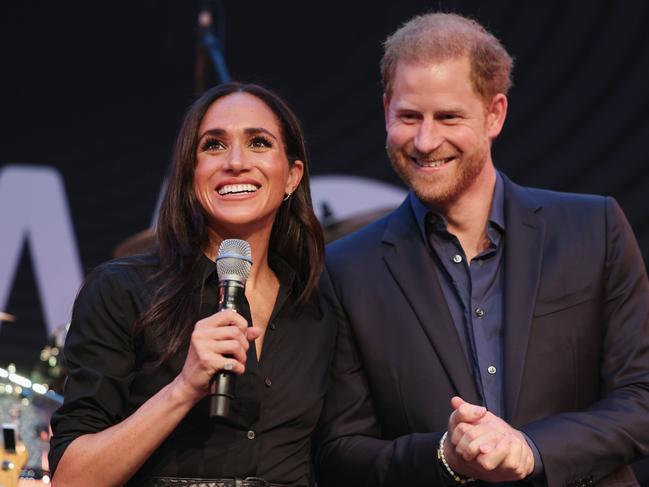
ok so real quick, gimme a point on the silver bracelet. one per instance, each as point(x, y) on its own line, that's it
point(460, 479)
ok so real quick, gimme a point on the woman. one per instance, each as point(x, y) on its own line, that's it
point(146, 337)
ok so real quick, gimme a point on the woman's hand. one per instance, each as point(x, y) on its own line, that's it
point(220, 341)
point(97, 458)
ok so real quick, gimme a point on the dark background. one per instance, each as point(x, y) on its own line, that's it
point(97, 90)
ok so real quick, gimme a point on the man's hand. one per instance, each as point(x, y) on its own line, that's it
point(481, 445)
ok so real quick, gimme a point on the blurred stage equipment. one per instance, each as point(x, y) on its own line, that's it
point(334, 229)
point(141, 243)
point(6, 317)
point(210, 45)
point(51, 367)
point(26, 407)
point(144, 241)
point(13, 456)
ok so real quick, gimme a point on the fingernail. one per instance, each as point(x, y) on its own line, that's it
point(478, 410)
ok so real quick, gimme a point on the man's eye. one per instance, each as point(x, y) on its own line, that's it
point(410, 117)
point(260, 142)
point(212, 145)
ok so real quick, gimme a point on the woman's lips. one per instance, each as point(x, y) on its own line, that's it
point(227, 189)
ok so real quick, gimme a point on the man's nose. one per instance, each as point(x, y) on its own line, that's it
point(428, 137)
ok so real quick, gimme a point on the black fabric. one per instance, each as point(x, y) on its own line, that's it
point(184, 482)
point(576, 346)
point(471, 288)
point(278, 399)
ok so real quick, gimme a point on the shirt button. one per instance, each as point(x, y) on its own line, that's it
point(491, 369)
point(479, 312)
point(273, 326)
point(457, 258)
point(251, 435)
point(268, 382)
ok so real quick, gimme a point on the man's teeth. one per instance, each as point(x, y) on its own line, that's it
point(434, 163)
point(237, 188)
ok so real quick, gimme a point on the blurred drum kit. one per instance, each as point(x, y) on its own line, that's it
point(27, 403)
point(332, 229)
point(26, 406)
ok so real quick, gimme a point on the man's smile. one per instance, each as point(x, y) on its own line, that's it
point(439, 162)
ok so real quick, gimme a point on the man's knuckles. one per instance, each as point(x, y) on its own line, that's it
point(488, 463)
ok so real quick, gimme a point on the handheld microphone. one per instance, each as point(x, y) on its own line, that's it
point(233, 264)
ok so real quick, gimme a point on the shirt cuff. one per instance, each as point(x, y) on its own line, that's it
point(538, 475)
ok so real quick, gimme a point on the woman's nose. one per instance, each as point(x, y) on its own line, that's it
point(236, 160)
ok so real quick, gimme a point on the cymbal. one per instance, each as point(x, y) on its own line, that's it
point(6, 316)
point(140, 243)
point(144, 241)
point(337, 229)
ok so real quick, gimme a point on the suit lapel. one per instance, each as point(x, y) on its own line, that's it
point(524, 235)
point(409, 262)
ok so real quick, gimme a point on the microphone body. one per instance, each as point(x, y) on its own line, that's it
point(233, 264)
point(231, 294)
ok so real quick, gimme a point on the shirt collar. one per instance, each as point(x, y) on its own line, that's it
point(205, 269)
point(496, 215)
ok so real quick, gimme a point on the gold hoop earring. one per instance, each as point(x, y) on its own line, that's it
point(287, 196)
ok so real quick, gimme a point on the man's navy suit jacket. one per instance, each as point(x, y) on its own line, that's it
point(576, 346)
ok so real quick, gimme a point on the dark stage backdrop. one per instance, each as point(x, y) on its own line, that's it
point(91, 95)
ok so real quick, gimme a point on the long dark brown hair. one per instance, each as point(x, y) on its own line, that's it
point(182, 234)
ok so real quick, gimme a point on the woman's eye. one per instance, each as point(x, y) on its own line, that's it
point(212, 145)
point(260, 142)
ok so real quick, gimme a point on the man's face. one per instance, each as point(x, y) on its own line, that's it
point(439, 130)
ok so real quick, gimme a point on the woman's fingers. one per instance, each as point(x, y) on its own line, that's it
point(221, 337)
point(252, 333)
point(230, 364)
point(231, 348)
point(226, 317)
point(219, 342)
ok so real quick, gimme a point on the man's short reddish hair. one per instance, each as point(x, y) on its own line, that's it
point(438, 37)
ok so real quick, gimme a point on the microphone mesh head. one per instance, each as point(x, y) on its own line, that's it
point(234, 260)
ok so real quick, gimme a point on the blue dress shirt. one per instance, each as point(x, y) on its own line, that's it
point(474, 294)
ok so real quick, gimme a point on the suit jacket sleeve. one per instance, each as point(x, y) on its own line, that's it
point(350, 451)
point(615, 429)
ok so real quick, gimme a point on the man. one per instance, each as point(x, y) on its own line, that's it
point(487, 331)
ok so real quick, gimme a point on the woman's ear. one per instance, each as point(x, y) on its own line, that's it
point(295, 173)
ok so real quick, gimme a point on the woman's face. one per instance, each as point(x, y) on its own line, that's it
point(242, 173)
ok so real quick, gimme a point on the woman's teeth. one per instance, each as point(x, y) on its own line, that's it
point(237, 188)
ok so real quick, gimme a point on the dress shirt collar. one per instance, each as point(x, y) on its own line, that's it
point(205, 268)
point(496, 215)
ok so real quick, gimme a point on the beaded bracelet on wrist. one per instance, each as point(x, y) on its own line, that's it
point(459, 479)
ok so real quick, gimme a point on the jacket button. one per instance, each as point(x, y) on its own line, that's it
point(268, 382)
point(251, 434)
